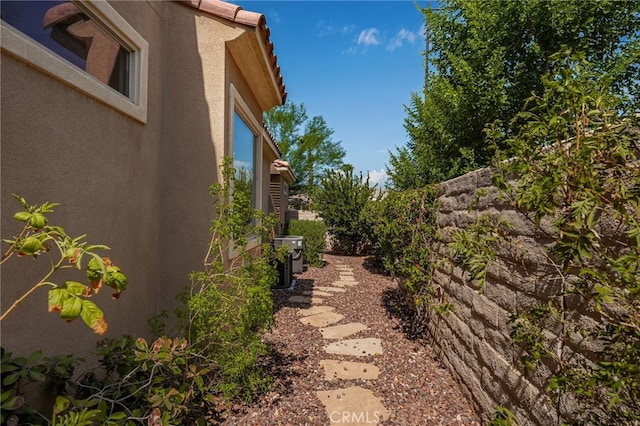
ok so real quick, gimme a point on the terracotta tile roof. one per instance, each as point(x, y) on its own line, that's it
point(272, 139)
point(234, 13)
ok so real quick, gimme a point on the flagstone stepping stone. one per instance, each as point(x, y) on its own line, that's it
point(355, 347)
point(347, 370)
point(342, 330)
point(343, 277)
point(353, 406)
point(315, 292)
point(322, 320)
point(332, 289)
point(306, 299)
point(315, 310)
point(343, 283)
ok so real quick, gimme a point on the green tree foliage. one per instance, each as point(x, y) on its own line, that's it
point(284, 122)
point(339, 199)
point(316, 152)
point(487, 57)
point(309, 150)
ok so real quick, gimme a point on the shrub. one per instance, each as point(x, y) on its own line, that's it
point(339, 200)
point(315, 235)
point(402, 229)
point(182, 380)
point(228, 306)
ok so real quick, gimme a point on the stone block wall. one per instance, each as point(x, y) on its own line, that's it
point(474, 341)
point(302, 215)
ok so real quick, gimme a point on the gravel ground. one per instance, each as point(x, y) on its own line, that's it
point(413, 385)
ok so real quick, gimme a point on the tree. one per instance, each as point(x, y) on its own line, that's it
point(311, 152)
point(340, 198)
point(284, 123)
point(488, 57)
point(315, 152)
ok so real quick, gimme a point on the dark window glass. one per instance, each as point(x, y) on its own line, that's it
point(63, 28)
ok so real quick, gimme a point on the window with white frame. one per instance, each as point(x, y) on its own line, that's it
point(87, 44)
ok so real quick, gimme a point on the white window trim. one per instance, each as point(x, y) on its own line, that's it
point(238, 105)
point(17, 44)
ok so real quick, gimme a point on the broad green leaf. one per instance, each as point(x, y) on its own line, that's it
point(22, 216)
point(12, 403)
point(34, 357)
point(57, 297)
point(30, 246)
point(62, 403)
point(76, 288)
point(116, 279)
point(12, 378)
point(93, 317)
point(38, 220)
point(37, 376)
point(71, 308)
point(95, 270)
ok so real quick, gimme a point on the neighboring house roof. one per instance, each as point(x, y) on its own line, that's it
point(284, 169)
point(236, 14)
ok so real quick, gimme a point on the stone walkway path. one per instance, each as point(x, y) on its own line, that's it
point(352, 405)
point(340, 353)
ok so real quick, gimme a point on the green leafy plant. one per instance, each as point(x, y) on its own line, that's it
point(476, 246)
point(315, 235)
point(575, 176)
point(405, 237)
point(38, 238)
point(20, 373)
point(169, 381)
point(228, 305)
point(341, 197)
point(503, 417)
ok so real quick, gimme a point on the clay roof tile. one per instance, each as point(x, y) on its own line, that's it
point(236, 14)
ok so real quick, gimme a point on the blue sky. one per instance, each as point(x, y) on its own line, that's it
point(355, 63)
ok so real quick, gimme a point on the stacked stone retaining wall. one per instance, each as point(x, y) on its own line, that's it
point(474, 341)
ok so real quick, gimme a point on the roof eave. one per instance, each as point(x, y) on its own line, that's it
point(250, 49)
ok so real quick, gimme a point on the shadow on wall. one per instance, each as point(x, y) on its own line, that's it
point(189, 161)
point(141, 189)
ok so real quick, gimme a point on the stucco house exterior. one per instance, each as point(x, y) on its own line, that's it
point(127, 133)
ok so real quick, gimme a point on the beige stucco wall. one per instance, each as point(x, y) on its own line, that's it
point(141, 189)
point(101, 166)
